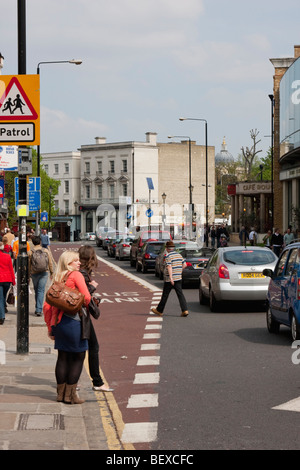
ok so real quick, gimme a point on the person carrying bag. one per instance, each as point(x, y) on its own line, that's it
point(64, 327)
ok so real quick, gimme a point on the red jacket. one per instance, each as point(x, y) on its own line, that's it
point(6, 268)
point(75, 280)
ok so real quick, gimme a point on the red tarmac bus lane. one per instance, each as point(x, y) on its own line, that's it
point(125, 307)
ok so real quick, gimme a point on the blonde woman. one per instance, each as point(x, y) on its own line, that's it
point(65, 330)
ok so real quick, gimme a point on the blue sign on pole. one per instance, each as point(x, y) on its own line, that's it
point(34, 193)
point(44, 217)
point(149, 212)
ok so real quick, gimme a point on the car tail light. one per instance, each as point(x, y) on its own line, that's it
point(147, 256)
point(124, 245)
point(223, 272)
point(188, 263)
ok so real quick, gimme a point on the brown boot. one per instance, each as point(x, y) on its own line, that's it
point(60, 392)
point(71, 396)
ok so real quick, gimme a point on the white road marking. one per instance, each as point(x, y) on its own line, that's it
point(143, 400)
point(146, 378)
point(153, 327)
point(151, 336)
point(147, 347)
point(139, 432)
point(148, 361)
point(292, 405)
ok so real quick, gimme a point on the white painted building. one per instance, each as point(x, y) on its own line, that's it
point(65, 167)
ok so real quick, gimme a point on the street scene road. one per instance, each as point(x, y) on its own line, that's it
point(223, 382)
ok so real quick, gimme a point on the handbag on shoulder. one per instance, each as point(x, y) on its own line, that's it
point(10, 297)
point(64, 298)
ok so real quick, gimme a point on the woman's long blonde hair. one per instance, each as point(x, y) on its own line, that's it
point(63, 266)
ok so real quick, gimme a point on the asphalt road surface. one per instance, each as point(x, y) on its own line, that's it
point(221, 381)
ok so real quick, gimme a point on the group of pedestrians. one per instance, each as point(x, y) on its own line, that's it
point(276, 241)
point(219, 235)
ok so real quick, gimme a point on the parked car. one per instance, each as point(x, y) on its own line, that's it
point(144, 236)
point(123, 248)
point(88, 236)
point(110, 236)
point(111, 246)
point(147, 254)
point(236, 273)
point(101, 233)
point(196, 259)
point(160, 259)
point(283, 298)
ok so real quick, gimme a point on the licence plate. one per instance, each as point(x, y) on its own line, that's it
point(251, 275)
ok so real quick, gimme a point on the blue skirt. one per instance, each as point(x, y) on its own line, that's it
point(67, 335)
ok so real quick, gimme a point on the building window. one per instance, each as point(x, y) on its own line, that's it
point(67, 168)
point(100, 192)
point(87, 168)
point(124, 163)
point(87, 192)
point(89, 222)
point(112, 166)
point(112, 191)
point(125, 189)
point(99, 168)
point(46, 168)
point(67, 207)
point(67, 187)
point(56, 168)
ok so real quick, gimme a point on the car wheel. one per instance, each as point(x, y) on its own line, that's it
point(213, 304)
point(202, 298)
point(137, 266)
point(294, 328)
point(272, 325)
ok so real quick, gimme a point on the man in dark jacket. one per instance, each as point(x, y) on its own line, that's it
point(277, 242)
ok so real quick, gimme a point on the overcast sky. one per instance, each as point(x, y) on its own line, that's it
point(148, 62)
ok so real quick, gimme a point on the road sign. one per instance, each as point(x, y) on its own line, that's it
point(44, 217)
point(19, 109)
point(150, 184)
point(149, 213)
point(34, 193)
point(9, 158)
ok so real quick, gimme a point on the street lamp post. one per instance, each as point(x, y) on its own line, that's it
point(272, 157)
point(73, 61)
point(50, 201)
point(206, 171)
point(164, 196)
point(76, 207)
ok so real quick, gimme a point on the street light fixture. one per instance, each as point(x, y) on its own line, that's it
point(206, 170)
point(72, 61)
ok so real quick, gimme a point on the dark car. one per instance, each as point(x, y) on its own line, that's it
point(147, 254)
point(110, 236)
point(160, 260)
point(123, 248)
point(196, 259)
point(283, 297)
point(143, 237)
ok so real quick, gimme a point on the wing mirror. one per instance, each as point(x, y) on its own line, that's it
point(268, 272)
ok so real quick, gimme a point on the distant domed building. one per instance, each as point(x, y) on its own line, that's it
point(223, 156)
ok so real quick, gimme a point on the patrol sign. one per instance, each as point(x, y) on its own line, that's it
point(20, 109)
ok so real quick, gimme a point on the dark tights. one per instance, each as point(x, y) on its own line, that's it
point(69, 367)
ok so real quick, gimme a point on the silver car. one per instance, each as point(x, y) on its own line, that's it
point(123, 248)
point(235, 273)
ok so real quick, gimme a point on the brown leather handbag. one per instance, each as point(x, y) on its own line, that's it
point(64, 298)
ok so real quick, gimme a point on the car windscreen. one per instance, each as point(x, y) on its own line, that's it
point(249, 257)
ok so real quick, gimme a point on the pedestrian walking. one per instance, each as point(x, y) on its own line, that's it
point(267, 239)
point(40, 265)
point(65, 330)
point(45, 239)
point(277, 242)
point(213, 235)
point(88, 262)
point(7, 278)
point(174, 263)
point(253, 237)
point(288, 237)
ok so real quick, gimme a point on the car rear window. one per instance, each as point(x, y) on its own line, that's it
point(154, 248)
point(249, 257)
point(194, 253)
point(155, 234)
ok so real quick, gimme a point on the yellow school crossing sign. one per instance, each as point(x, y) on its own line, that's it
point(19, 110)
